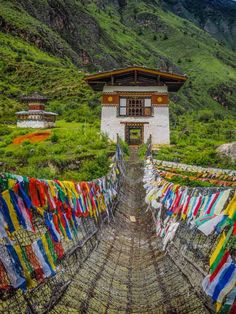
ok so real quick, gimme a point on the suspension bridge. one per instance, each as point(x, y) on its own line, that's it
point(114, 261)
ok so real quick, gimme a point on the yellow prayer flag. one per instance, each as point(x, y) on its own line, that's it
point(7, 198)
point(218, 306)
point(23, 264)
point(218, 248)
point(11, 183)
point(46, 248)
point(231, 207)
point(52, 188)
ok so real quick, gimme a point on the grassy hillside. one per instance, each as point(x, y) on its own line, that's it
point(217, 17)
point(24, 68)
point(75, 149)
point(49, 53)
point(136, 33)
point(145, 28)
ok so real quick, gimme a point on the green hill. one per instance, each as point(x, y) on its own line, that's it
point(215, 16)
point(105, 34)
point(47, 46)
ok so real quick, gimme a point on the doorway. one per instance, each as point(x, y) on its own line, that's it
point(134, 134)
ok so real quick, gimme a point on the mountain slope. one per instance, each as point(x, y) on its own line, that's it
point(48, 45)
point(217, 17)
point(104, 34)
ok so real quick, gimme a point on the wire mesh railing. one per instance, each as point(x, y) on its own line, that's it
point(128, 273)
point(191, 223)
point(42, 248)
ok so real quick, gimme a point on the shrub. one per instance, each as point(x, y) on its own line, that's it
point(18, 59)
point(95, 168)
point(125, 147)
point(165, 37)
point(54, 138)
point(219, 115)
point(174, 138)
point(9, 154)
point(205, 115)
point(5, 131)
point(26, 143)
point(142, 151)
point(140, 32)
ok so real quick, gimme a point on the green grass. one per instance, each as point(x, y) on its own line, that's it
point(202, 112)
point(195, 142)
point(188, 182)
point(24, 69)
point(74, 151)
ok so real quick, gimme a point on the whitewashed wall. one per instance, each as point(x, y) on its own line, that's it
point(35, 124)
point(111, 89)
point(158, 125)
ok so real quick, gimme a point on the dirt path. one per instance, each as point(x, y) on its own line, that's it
point(128, 273)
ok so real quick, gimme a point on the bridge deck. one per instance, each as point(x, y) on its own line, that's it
point(128, 272)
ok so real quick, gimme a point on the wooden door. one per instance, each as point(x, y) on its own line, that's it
point(134, 135)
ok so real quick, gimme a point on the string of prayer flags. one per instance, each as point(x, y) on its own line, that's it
point(223, 177)
point(208, 210)
point(205, 211)
point(21, 266)
point(60, 204)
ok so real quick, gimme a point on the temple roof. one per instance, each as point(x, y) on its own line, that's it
point(34, 97)
point(39, 112)
point(136, 76)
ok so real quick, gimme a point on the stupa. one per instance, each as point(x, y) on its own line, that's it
point(36, 117)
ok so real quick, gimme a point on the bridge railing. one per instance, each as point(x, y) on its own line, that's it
point(149, 146)
point(187, 242)
point(43, 245)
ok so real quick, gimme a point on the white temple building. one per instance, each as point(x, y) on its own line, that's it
point(135, 103)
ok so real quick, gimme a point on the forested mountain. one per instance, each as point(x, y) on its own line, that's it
point(217, 17)
point(48, 45)
point(104, 34)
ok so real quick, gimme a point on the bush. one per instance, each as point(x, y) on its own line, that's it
point(125, 147)
point(26, 143)
point(140, 32)
point(174, 138)
point(205, 115)
point(18, 59)
point(5, 131)
point(219, 115)
point(9, 154)
point(54, 138)
point(95, 168)
point(142, 151)
point(165, 37)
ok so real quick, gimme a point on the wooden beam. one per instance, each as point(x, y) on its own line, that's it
point(135, 76)
point(134, 123)
point(131, 69)
point(112, 80)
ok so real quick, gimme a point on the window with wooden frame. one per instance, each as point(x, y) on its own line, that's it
point(122, 107)
point(135, 106)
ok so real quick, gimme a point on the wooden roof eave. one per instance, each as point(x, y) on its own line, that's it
point(108, 74)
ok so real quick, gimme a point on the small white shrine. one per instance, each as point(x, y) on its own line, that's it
point(36, 117)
